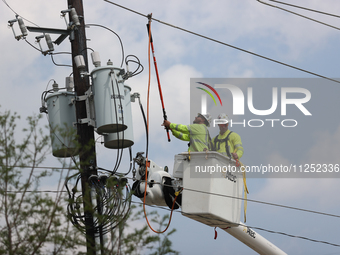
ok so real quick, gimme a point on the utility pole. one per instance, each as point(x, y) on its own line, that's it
point(85, 132)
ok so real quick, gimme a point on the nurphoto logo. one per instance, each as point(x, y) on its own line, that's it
point(281, 100)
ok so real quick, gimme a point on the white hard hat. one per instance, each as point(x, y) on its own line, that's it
point(207, 118)
point(223, 116)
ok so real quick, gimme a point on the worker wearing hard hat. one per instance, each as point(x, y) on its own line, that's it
point(227, 142)
point(197, 133)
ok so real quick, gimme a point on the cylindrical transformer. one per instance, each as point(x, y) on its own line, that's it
point(62, 116)
point(108, 99)
point(123, 139)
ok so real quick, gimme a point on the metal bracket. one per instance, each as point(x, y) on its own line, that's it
point(134, 96)
point(90, 113)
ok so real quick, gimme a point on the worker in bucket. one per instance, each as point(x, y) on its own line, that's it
point(197, 133)
point(227, 142)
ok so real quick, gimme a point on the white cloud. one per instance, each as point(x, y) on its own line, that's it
point(308, 190)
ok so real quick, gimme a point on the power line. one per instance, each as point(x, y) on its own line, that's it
point(210, 193)
point(44, 167)
point(293, 236)
point(253, 200)
point(258, 228)
point(33, 191)
point(4, 1)
point(167, 209)
point(295, 13)
point(225, 44)
point(307, 9)
point(267, 203)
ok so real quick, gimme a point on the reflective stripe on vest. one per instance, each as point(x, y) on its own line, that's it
point(195, 141)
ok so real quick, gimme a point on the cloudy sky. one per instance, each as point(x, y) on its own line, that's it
point(245, 24)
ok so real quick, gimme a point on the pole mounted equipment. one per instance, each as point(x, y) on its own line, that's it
point(22, 27)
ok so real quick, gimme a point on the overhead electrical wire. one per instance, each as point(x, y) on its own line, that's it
point(266, 203)
point(307, 9)
point(46, 167)
point(33, 191)
point(252, 227)
point(226, 44)
point(4, 1)
point(164, 208)
point(293, 236)
point(295, 13)
point(204, 192)
point(120, 40)
point(221, 195)
point(256, 201)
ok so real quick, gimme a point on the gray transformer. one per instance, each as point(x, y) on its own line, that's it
point(62, 119)
point(123, 139)
point(108, 98)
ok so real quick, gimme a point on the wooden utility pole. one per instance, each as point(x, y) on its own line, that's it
point(85, 132)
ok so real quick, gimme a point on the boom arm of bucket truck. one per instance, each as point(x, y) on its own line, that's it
point(211, 185)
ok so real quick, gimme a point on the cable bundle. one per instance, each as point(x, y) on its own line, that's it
point(113, 200)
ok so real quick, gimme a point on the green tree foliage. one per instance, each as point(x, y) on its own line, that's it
point(131, 240)
point(36, 222)
point(31, 222)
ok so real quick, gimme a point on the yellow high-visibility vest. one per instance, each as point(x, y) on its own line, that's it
point(197, 134)
point(234, 142)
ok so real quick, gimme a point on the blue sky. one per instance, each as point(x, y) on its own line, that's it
point(246, 24)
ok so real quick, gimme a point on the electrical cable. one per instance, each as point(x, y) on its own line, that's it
point(145, 124)
point(121, 43)
point(203, 192)
point(119, 151)
point(251, 200)
point(307, 9)
point(48, 167)
point(4, 1)
point(118, 173)
point(266, 203)
point(87, 48)
point(75, 218)
point(135, 72)
point(147, 130)
point(113, 203)
point(257, 201)
point(32, 191)
point(295, 13)
point(56, 63)
point(293, 236)
point(263, 229)
point(33, 46)
point(228, 45)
